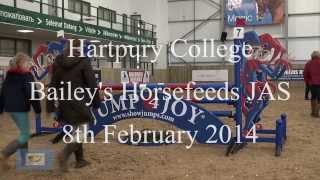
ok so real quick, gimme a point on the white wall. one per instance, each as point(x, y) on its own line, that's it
point(156, 12)
point(300, 26)
point(184, 11)
point(298, 6)
point(4, 61)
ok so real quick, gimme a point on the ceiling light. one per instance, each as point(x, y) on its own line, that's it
point(25, 31)
point(95, 41)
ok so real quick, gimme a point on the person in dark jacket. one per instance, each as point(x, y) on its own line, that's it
point(312, 76)
point(15, 99)
point(79, 73)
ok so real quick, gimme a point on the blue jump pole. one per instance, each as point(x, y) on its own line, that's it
point(279, 137)
point(284, 121)
point(38, 125)
point(237, 84)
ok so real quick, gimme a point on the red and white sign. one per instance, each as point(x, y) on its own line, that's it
point(135, 76)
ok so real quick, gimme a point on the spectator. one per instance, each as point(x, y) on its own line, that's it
point(79, 73)
point(15, 99)
point(312, 77)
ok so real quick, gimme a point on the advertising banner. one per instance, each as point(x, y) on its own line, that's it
point(36, 20)
point(293, 75)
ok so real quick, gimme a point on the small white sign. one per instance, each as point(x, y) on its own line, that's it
point(210, 75)
point(146, 77)
point(60, 33)
point(238, 33)
point(124, 77)
point(135, 76)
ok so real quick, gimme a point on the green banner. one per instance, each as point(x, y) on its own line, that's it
point(32, 19)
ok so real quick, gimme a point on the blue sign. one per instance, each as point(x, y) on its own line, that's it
point(185, 115)
point(255, 12)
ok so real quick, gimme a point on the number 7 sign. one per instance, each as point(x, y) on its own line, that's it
point(238, 33)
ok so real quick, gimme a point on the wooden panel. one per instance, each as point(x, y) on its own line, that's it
point(110, 75)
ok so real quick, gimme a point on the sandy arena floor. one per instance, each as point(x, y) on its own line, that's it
point(299, 161)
